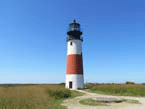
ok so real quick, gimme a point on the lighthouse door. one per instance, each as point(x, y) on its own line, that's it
point(70, 84)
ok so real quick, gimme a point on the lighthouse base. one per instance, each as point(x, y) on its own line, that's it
point(74, 81)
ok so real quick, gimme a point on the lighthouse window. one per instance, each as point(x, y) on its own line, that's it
point(70, 43)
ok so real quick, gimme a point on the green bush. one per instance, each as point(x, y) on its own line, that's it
point(59, 93)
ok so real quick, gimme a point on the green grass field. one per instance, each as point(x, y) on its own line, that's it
point(34, 97)
point(118, 89)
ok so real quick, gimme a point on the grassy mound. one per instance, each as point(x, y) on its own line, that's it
point(91, 102)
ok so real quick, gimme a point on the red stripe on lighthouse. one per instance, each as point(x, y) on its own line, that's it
point(74, 64)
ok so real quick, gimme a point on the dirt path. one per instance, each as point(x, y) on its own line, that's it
point(74, 103)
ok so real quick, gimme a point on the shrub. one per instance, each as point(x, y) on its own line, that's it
point(58, 92)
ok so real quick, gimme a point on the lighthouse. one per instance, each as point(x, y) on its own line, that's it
point(74, 70)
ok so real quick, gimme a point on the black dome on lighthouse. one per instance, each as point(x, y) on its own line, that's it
point(74, 31)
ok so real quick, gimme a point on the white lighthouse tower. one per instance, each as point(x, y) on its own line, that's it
point(74, 70)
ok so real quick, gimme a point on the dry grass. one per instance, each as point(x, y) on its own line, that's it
point(121, 89)
point(25, 96)
point(29, 97)
point(34, 97)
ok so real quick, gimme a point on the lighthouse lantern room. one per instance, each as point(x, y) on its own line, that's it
point(74, 70)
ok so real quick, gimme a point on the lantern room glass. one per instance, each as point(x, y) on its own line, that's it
point(74, 26)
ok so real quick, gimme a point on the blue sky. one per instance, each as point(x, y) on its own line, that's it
point(33, 40)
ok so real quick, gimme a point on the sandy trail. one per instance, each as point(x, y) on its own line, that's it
point(74, 102)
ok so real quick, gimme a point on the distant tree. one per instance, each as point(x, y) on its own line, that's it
point(128, 82)
point(62, 83)
point(96, 83)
